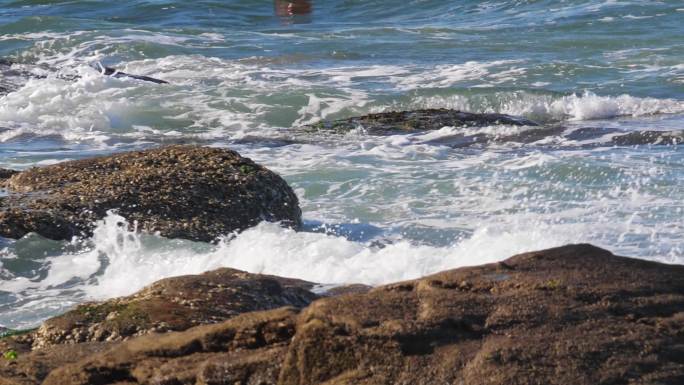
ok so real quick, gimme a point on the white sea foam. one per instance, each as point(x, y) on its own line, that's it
point(216, 98)
point(576, 107)
point(121, 262)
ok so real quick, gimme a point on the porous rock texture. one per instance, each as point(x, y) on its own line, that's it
point(191, 192)
point(570, 315)
point(415, 121)
point(174, 304)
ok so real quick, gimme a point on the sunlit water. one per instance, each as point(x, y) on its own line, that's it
point(377, 209)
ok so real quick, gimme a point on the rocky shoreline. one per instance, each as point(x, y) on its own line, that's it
point(570, 315)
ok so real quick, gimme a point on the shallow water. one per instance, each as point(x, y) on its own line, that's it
point(377, 209)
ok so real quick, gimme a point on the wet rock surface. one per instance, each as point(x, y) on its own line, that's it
point(174, 304)
point(570, 315)
point(113, 72)
point(525, 131)
point(414, 121)
point(6, 173)
point(190, 192)
point(14, 75)
point(649, 137)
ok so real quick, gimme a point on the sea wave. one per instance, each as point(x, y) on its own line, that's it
point(219, 98)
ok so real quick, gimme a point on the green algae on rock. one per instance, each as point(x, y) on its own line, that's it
point(191, 192)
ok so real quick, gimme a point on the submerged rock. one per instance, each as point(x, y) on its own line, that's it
point(11, 77)
point(113, 72)
point(190, 192)
point(14, 75)
point(416, 120)
point(649, 137)
point(462, 140)
point(570, 315)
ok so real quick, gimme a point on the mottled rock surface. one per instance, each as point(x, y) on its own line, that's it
point(174, 304)
point(649, 137)
point(570, 315)
point(190, 192)
point(518, 131)
point(415, 120)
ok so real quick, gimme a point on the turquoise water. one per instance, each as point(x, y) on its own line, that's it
point(246, 74)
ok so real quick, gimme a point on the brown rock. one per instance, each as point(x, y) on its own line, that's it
point(191, 192)
point(570, 315)
point(245, 350)
point(174, 304)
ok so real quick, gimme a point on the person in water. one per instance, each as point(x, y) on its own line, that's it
point(288, 8)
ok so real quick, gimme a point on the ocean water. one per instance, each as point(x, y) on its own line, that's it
point(245, 74)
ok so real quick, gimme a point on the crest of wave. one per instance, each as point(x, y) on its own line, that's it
point(545, 107)
point(129, 260)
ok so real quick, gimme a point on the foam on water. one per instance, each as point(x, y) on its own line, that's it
point(118, 261)
point(215, 98)
point(377, 209)
point(121, 262)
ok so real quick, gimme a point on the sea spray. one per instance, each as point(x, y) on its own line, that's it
point(377, 209)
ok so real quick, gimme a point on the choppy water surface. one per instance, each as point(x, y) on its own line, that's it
point(377, 209)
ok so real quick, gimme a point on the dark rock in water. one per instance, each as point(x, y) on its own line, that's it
point(190, 192)
point(463, 140)
point(649, 137)
point(588, 133)
point(417, 120)
point(12, 78)
point(14, 75)
point(7, 173)
point(265, 141)
point(113, 72)
point(388, 123)
point(570, 315)
point(174, 304)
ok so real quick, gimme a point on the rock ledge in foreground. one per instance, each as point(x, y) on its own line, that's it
point(570, 315)
point(190, 192)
